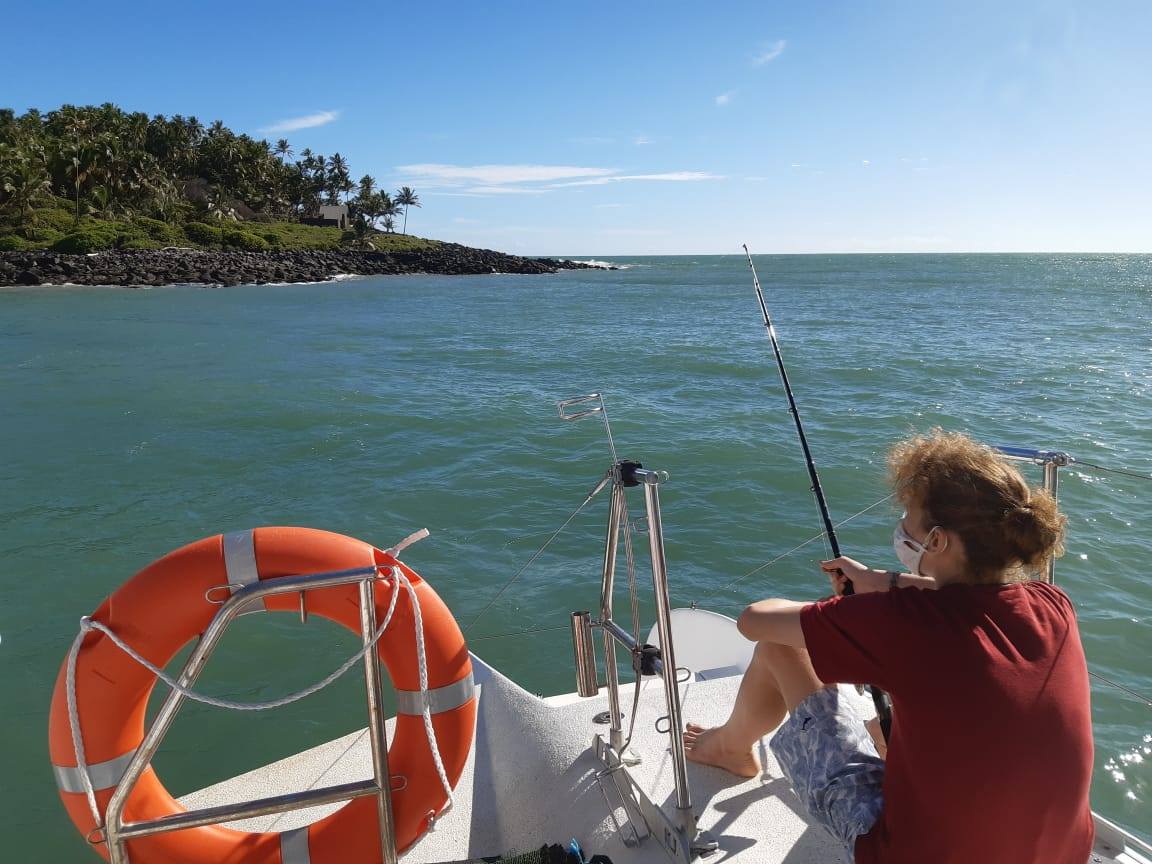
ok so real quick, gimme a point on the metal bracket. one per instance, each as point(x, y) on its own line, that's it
point(673, 839)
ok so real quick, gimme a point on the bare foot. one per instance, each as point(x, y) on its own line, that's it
point(707, 746)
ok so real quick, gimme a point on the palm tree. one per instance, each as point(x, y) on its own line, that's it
point(339, 181)
point(406, 198)
point(283, 149)
point(389, 224)
point(24, 183)
point(361, 231)
point(81, 163)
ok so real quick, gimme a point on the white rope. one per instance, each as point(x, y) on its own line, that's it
point(87, 625)
point(414, 537)
point(422, 662)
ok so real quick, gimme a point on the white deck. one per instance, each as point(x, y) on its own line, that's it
point(531, 780)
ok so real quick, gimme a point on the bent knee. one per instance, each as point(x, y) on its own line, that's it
point(776, 651)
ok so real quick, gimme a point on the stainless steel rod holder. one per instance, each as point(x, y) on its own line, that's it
point(584, 650)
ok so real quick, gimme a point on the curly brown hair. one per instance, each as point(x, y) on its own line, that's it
point(965, 487)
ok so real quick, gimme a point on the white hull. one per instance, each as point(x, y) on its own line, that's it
point(531, 775)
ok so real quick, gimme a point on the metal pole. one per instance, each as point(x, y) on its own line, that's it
point(1052, 484)
point(249, 809)
point(611, 673)
point(651, 481)
point(377, 732)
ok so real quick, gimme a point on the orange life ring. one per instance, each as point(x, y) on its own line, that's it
point(164, 606)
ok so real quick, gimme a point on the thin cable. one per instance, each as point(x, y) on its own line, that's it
point(807, 542)
point(1122, 471)
point(539, 551)
point(608, 430)
point(1127, 690)
point(519, 633)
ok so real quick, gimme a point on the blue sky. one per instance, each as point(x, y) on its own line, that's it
point(645, 127)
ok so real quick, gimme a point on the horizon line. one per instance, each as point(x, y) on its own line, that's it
point(871, 252)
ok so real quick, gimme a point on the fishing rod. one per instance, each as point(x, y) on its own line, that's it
point(879, 697)
point(817, 489)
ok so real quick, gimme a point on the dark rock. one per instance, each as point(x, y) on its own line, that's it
point(146, 267)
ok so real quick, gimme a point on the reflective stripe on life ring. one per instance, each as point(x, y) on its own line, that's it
point(165, 606)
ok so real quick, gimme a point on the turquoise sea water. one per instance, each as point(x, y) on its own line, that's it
point(133, 421)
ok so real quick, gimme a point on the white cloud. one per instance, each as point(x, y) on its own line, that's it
point(671, 176)
point(497, 175)
point(641, 140)
point(505, 190)
point(769, 52)
point(725, 98)
point(477, 181)
point(865, 162)
point(308, 121)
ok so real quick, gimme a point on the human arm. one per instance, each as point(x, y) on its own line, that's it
point(866, 580)
point(776, 621)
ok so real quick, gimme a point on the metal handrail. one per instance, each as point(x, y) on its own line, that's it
point(1051, 461)
point(117, 832)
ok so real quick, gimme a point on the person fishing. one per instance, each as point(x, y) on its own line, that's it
point(989, 758)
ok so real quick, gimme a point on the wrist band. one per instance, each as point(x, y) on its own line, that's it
point(893, 579)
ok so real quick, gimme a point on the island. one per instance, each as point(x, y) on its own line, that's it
point(95, 195)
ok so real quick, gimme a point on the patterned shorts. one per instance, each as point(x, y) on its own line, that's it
point(830, 760)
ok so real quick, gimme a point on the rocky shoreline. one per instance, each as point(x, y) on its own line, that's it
point(170, 266)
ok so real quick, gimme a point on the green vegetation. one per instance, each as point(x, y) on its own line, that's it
point(85, 179)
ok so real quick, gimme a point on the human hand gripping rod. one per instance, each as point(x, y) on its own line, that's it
point(879, 698)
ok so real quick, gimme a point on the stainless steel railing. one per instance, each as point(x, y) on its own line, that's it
point(117, 832)
point(1051, 461)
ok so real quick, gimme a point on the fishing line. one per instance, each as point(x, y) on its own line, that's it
point(807, 542)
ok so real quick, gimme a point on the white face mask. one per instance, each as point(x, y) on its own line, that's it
point(909, 551)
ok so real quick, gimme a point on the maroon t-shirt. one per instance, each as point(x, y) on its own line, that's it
point(990, 756)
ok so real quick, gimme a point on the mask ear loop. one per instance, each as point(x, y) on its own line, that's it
point(928, 539)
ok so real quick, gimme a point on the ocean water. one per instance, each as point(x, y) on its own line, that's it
point(135, 421)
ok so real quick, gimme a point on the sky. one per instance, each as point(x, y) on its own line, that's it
point(661, 127)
